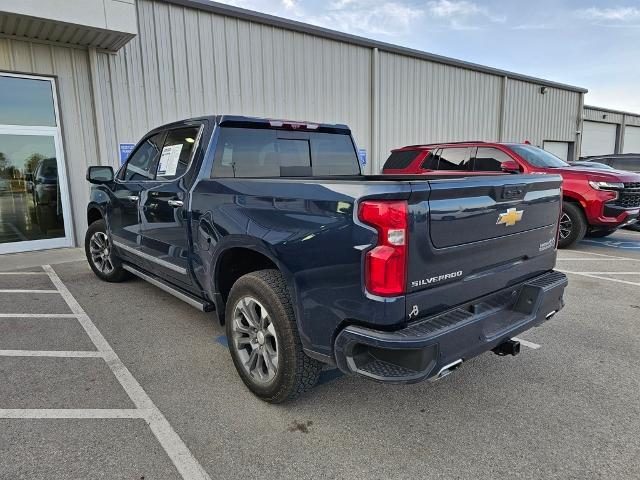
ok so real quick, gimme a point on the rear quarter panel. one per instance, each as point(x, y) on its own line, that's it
point(310, 231)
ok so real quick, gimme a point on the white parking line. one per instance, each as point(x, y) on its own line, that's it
point(57, 413)
point(51, 353)
point(178, 453)
point(526, 343)
point(604, 255)
point(616, 280)
point(607, 273)
point(38, 315)
point(618, 259)
point(23, 273)
point(18, 290)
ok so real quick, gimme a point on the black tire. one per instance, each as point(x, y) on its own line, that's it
point(635, 227)
point(117, 273)
point(576, 225)
point(295, 372)
point(601, 233)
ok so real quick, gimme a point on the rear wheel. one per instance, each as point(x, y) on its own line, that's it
point(573, 225)
point(100, 254)
point(264, 341)
point(634, 226)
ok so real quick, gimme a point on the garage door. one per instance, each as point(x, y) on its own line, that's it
point(598, 139)
point(631, 140)
point(559, 149)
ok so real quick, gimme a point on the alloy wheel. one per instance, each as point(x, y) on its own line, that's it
point(100, 249)
point(566, 225)
point(255, 339)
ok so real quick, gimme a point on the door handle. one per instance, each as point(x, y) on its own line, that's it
point(175, 203)
point(133, 198)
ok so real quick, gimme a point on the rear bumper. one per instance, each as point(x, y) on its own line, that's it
point(421, 349)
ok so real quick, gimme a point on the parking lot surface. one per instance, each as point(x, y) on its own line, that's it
point(123, 381)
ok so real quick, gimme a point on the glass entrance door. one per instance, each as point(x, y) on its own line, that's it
point(34, 202)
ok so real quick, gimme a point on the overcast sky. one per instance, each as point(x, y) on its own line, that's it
point(592, 44)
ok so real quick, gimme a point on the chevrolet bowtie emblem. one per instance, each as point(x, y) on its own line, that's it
point(510, 217)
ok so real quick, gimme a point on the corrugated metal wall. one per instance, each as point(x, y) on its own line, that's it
point(596, 116)
point(530, 115)
point(70, 66)
point(424, 102)
point(187, 62)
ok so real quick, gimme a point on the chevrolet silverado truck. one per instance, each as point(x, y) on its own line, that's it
point(308, 262)
point(596, 202)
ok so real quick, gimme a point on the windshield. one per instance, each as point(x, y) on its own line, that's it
point(538, 157)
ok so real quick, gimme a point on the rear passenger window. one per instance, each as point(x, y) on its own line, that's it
point(455, 159)
point(490, 159)
point(176, 153)
point(430, 162)
point(400, 160)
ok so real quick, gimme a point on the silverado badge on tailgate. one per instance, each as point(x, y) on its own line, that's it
point(510, 217)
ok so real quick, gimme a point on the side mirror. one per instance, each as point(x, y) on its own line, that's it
point(99, 175)
point(510, 166)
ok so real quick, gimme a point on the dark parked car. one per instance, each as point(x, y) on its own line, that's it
point(308, 262)
point(622, 161)
point(46, 195)
point(596, 165)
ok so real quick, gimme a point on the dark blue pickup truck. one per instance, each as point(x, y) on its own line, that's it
point(309, 262)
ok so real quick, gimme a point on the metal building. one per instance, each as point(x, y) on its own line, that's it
point(80, 80)
point(606, 131)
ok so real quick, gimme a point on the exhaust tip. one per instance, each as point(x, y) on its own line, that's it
point(447, 370)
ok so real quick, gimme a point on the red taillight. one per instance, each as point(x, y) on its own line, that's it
point(385, 268)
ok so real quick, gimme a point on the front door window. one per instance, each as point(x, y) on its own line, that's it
point(34, 203)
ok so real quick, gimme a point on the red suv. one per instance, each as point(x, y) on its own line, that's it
point(595, 202)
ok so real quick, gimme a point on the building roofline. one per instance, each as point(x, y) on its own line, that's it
point(611, 110)
point(266, 19)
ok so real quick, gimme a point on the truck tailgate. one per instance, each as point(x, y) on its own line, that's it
point(473, 236)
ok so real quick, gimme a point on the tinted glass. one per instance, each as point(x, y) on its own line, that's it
point(454, 159)
point(630, 164)
point(490, 159)
point(400, 160)
point(260, 153)
point(430, 162)
point(26, 101)
point(30, 197)
point(176, 153)
point(142, 163)
point(333, 155)
point(538, 157)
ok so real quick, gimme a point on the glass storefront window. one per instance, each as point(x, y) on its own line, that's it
point(30, 203)
point(34, 203)
point(26, 101)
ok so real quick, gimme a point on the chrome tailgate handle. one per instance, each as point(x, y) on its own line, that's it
point(133, 198)
point(175, 203)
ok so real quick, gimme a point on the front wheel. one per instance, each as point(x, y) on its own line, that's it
point(100, 254)
point(264, 341)
point(573, 225)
